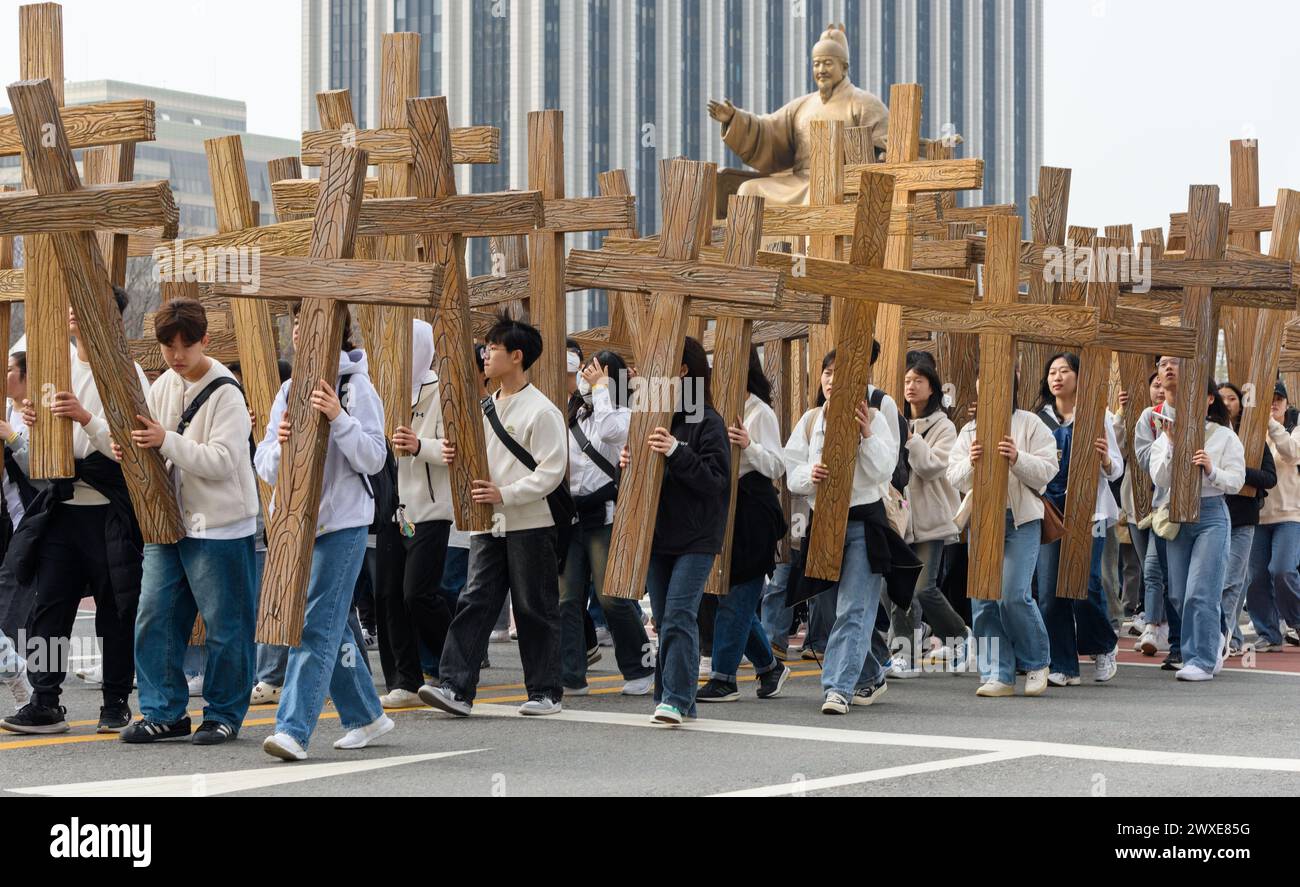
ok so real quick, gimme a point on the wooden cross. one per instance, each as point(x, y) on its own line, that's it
point(68, 214)
point(324, 282)
point(673, 278)
point(40, 38)
point(911, 175)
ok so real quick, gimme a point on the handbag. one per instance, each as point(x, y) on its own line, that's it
point(1053, 522)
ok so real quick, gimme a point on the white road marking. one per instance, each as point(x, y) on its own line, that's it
point(202, 785)
point(1227, 669)
point(1017, 747)
point(798, 787)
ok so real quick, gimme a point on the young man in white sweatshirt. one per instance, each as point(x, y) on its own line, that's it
point(89, 543)
point(519, 555)
point(201, 427)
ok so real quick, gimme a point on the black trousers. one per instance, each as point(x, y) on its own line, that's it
point(73, 560)
point(523, 565)
point(409, 605)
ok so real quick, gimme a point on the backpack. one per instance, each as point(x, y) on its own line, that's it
point(381, 486)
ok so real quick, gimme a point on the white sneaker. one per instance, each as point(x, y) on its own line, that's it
point(938, 656)
point(92, 675)
point(1140, 622)
point(1036, 682)
point(640, 686)
point(1060, 679)
point(1107, 666)
point(264, 694)
point(284, 747)
point(706, 666)
point(541, 706)
point(835, 704)
point(396, 699)
point(196, 685)
point(604, 638)
point(1192, 673)
point(20, 686)
point(1223, 654)
point(369, 639)
point(995, 689)
point(499, 637)
point(363, 736)
point(900, 668)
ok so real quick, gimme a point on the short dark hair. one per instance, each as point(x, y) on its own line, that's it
point(122, 298)
point(696, 361)
point(572, 345)
point(180, 317)
point(20, 361)
point(875, 351)
point(515, 335)
point(918, 356)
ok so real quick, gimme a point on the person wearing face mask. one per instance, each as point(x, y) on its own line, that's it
point(598, 421)
point(1076, 626)
point(413, 548)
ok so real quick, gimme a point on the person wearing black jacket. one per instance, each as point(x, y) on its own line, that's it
point(688, 531)
point(1243, 511)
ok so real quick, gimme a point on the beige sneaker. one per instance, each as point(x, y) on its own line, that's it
point(994, 689)
point(397, 699)
point(1036, 682)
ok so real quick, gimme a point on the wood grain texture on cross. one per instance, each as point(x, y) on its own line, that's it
point(324, 282)
point(911, 176)
point(1047, 224)
point(672, 278)
point(76, 259)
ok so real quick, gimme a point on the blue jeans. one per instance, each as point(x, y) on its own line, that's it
point(1161, 606)
point(1010, 630)
point(676, 585)
point(215, 577)
point(1074, 627)
point(1274, 591)
point(857, 599)
point(196, 661)
point(776, 616)
point(737, 628)
point(328, 660)
point(1197, 564)
point(1234, 582)
point(879, 653)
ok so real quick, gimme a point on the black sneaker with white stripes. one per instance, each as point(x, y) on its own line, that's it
point(145, 730)
point(212, 733)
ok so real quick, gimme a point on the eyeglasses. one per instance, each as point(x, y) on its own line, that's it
point(1166, 362)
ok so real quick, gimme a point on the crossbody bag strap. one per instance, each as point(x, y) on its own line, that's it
point(515, 448)
point(585, 444)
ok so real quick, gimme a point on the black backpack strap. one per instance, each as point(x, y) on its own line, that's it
point(515, 448)
point(1049, 420)
point(202, 397)
point(584, 443)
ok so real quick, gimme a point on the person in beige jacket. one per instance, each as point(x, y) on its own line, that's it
point(1011, 630)
point(202, 428)
point(1273, 593)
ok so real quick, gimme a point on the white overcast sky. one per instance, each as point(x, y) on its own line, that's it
point(1140, 96)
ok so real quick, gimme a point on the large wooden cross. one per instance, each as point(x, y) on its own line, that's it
point(68, 215)
point(49, 369)
point(324, 282)
point(674, 277)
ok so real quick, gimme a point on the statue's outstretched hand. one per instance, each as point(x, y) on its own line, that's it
point(722, 111)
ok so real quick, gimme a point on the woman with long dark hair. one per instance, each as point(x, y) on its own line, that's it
point(689, 528)
point(598, 420)
point(1010, 629)
point(1244, 516)
point(857, 593)
point(759, 526)
point(932, 503)
point(1196, 554)
point(1076, 626)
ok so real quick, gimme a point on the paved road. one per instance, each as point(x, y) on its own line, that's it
point(1141, 734)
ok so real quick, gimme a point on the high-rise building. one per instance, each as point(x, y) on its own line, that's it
point(184, 121)
point(634, 77)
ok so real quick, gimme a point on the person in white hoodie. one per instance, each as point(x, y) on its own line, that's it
point(932, 502)
point(201, 426)
point(1076, 626)
point(328, 662)
point(848, 647)
point(517, 557)
point(89, 542)
point(1010, 632)
point(410, 553)
point(1198, 555)
point(1273, 593)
